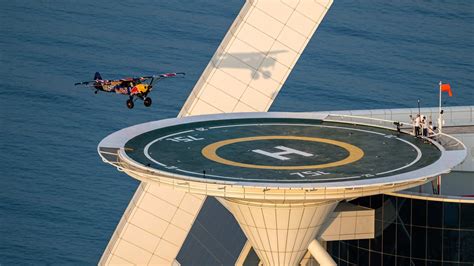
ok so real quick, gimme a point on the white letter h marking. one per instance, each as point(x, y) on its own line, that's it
point(285, 151)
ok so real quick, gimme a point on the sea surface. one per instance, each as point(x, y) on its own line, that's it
point(59, 204)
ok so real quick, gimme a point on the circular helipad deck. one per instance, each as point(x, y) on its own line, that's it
point(275, 150)
point(282, 150)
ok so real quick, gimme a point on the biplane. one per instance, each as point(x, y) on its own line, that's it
point(135, 88)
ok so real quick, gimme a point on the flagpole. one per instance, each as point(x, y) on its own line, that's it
point(440, 83)
point(440, 118)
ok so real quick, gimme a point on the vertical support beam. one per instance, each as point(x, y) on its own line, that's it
point(320, 254)
point(154, 226)
point(245, 75)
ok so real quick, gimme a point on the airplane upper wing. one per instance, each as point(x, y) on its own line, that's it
point(94, 83)
point(84, 83)
point(154, 78)
point(168, 75)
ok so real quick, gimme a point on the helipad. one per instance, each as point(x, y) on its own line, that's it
point(277, 149)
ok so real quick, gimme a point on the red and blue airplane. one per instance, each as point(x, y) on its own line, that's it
point(138, 87)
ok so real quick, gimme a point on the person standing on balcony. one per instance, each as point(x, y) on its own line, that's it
point(431, 129)
point(425, 126)
point(417, 125)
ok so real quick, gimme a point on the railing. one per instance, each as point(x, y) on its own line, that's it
point(109, 155)
point(450, 143)
point(368, 121)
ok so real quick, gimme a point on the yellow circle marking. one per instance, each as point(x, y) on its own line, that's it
point(355, 153)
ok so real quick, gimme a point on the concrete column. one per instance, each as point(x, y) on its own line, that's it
point(280, 233)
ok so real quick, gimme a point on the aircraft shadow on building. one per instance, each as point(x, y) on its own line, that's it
point(259, 65)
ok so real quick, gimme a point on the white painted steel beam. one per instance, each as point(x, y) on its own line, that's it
point(320, 254)
point(245, 75)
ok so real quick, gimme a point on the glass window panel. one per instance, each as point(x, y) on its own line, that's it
point(451, 215)
point(329, 247)
point(335, 248)
point(352, 242)
point(388, 260)
point(467, 246)
point(389, 209)
point(352, 253)
point(363, 257)
point(375, 259)
point(450, 245)
point(418, 242)
point(376, 243)
point(454, 264)
point(417, 262)
point(434, 263)
point(434, 240)
point(467, 216)
point(364, 201)
point(355, 201)
point(376, 201)
point(343, 251)
point(364, 243)
point(404, 210)
point(435, 214)
point(403, 240)
point(403, 261)
point(389, 239)
point(418, 212)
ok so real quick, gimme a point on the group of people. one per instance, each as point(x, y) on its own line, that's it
point(422, 126)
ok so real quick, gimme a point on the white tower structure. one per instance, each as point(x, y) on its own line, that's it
point(245, 75)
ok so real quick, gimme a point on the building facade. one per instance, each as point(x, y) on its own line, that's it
point(413, 229)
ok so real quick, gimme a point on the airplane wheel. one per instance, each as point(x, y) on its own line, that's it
point(147, 101)
point(130, 104)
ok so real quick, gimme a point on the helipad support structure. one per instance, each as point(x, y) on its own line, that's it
point(245, 75)
point(279, 174)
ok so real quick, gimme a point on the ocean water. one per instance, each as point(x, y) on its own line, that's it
point(59, 204)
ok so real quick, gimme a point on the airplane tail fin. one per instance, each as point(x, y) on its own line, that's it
point(97, 76)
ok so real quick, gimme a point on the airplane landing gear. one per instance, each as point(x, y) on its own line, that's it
point(147, 101)
point(130, 103)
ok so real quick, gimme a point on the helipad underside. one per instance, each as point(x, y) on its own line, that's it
point(280, 150)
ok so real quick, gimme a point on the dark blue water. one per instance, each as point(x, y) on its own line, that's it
point(60, 204)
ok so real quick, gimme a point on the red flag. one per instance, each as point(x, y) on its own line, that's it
point(447, 88)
